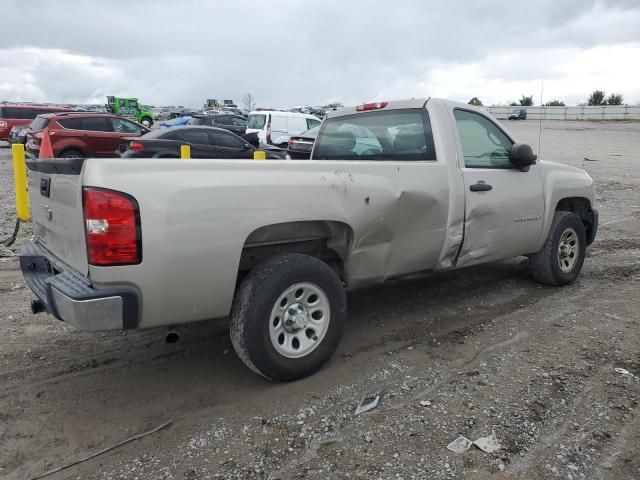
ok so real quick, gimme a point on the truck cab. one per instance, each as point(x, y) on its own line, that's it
point(130, 108)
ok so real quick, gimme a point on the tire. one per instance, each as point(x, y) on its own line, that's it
point(269, 291)
point(558, 263)
point(72, 154)
point(146, 122)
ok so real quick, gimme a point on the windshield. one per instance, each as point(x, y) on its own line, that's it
point(257, 121)
point(311, 133)
point(39, 123)
point(196, 121)
point(388, 135)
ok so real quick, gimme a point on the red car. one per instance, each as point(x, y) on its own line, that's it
point(81, 135)
point(14, 115)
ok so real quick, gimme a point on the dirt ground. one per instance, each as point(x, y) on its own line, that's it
point(463, 353)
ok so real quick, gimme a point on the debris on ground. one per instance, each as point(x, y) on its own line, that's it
point(488, 444)
point(367, 403)
point(460, 445)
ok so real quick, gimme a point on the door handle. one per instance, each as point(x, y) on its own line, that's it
point(480, 187)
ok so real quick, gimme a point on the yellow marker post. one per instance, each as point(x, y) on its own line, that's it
point(259, 155)
point(20, 178)
point(185, 151)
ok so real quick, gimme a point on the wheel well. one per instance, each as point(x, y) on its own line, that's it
point(327, 240)
point(582, 207)
point(71, 149)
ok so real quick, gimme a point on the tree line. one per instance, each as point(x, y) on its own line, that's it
point(597, 98)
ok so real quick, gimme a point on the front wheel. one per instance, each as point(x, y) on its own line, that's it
point(288, 317)
point(560, 260)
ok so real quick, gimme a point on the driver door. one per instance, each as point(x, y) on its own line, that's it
point(504, 206)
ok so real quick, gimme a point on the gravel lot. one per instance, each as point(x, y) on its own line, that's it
point(465, 353)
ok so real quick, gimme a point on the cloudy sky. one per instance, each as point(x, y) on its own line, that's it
point(286, 53)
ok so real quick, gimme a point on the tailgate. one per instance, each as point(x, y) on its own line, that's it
point(55, 197)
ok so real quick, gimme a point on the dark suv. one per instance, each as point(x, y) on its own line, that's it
point(82, 135)
point(18, 115)
point(227, 121)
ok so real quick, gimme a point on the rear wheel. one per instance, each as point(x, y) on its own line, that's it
point(288, 317)
point(560, 260)
point(147, 122)
point(71, 154)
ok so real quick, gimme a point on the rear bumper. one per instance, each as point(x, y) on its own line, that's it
point(70, 297)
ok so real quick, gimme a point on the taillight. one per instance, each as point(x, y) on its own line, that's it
point(136, 146)
point(112, 226)
point(290, 142)
point(371, 106)
point(3, 124)
point(269, 132)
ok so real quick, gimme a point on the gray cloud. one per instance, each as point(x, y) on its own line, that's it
point(293, 52)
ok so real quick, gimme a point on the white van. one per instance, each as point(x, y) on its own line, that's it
point(275, 127)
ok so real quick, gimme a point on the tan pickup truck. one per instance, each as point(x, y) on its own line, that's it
point(392, 188)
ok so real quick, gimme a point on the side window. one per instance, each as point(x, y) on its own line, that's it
point(96, 124)
point(71, 123)
point(198, 137)
point(225, 140)
point(239, 122)
point(484, 145)
point(223, 120)
point(125, 126)
point(20, 113)
point(312, 123)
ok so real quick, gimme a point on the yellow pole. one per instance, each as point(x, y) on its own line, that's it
point(185, 151)
point(20, 177)
point(259, 155)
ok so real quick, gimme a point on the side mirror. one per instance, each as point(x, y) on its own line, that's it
point(246, 147)
point(521, 155)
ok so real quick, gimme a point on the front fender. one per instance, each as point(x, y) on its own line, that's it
point(563, 182)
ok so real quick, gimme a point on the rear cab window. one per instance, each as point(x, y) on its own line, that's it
point(403, 135)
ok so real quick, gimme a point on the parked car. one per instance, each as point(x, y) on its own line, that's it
point(205, 142)
point(176, 121)
point(232, 122)
point(236, 110)
point(20, 115)
point(275, 127)
point(301, 145)
point(518, 114)
point(394, 188)
point(81, 135)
